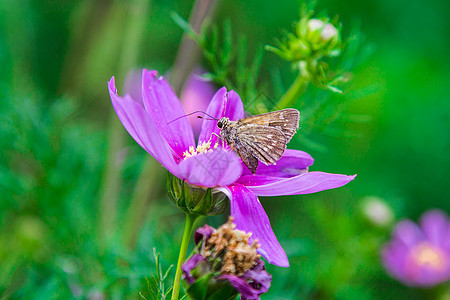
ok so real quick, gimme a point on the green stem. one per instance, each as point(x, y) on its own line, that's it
point(188, 53)
point(152, 180)
point(294, 92)
point(190, 220)
point(112, 182)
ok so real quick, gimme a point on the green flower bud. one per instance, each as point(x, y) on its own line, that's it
point(312, 39)
point(329, 33)
point(175, 188)
point(321, 36)
point(298, 49)
point(377, 211)
point(314, 25)
point(195, 199)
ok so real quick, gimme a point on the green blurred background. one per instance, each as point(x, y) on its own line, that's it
point(60, 238)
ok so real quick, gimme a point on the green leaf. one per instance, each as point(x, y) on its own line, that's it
point(334, 89)
point(274, 50)
point(214, 37)
point(198, 290)
point(185, 26)
point(221, 290)
point(241, 73)
point(227, 47)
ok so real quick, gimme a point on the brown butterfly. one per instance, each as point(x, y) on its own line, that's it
point(261, 137)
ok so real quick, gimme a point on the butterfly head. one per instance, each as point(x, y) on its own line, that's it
point(223, 122)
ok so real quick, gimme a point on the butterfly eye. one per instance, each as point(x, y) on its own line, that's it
point(219, 124)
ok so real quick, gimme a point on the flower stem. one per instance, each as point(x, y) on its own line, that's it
point(297, 88)
point(190, 220)
point(188, 53)
point(111, 181)
point(151, 179)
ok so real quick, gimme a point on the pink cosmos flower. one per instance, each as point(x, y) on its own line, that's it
point(150, 121)
point(420, 256)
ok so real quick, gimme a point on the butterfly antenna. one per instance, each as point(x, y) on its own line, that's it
point(197, 111)
point(203, 118)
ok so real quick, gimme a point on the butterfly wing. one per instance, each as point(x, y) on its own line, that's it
point(286, 120)
point(263, 142)
point(247, 157)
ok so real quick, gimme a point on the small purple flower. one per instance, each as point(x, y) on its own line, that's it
point(150, 121)
point(420, 256)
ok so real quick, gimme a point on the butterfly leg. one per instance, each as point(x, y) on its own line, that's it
point(219, 136)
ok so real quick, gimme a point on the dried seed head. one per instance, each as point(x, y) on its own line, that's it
point(233, 248)
point(225, 255)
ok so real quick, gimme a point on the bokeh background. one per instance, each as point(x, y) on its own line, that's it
point(65, 234)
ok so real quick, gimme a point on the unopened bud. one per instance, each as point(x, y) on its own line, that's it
point(329, 32)
point(312, 39)
point(321, 36)
point(195, 199)
point(315, 25)
point(299, 50)
point(377, 211)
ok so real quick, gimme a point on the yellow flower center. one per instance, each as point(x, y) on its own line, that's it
point(202, 148)
point(426, 255)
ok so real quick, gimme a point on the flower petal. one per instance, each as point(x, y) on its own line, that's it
point(140, 126)
point(311, 182)
point(164, 107)
point(203, 233)
point(222, 104)
point(133, 85)
point(408, 233)
point(215, 109)
point(215, 168)
point(250, 288)
point(189, 265)
point(259, 277)
point(393, 259)
point(234, 109)
point(436, 227)
point(249, 216)
point(241, 286)
point(292, 163)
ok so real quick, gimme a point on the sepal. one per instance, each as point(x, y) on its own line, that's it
point(195, 199)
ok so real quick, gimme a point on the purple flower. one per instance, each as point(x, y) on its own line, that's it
point(155, 124)
point(420, 256)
